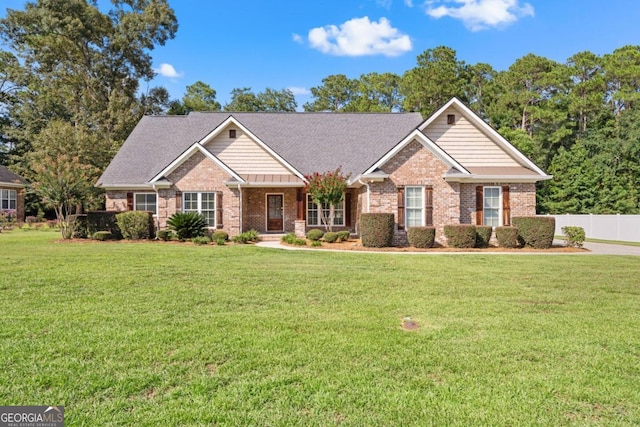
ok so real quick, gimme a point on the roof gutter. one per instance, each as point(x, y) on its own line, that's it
point(472, 178)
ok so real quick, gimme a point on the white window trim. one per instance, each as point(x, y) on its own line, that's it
point(406, 207)
point(320, 224)
point(135, 200)
point(484, 209)
point(199, 205)
point(9, 199)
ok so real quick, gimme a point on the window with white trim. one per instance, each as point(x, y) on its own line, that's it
point(313, 214)
point(414, 206)
point(8, 199)
point(492, 206)
point(145, 202)
point(203, 203)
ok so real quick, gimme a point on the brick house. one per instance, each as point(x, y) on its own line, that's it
point(12, 188)
point(246, 171)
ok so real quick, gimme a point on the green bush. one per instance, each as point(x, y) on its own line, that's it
point(460, 235)
point(247, 236)
point(165, 235)
point(507, 237)
point(330, 237)
point(316, 243)
point(219, 234)
point(535, 231)
point(135, 225)
point(574, 236)
point(220, 241)
point(483, 235)
point(344, 235)
point(315, 234)
point(421, 237)
point(78, 224)
point(376, 229)
point(201, 240)
point(103, 221)
point(288, 238)
point(102, 235)
point(187, 225)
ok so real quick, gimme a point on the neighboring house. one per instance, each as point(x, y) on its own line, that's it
point(246, 171)
point(12, 187)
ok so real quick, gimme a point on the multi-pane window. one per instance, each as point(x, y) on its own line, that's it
point(313, 213)
point(491, 206)
point(8, 199)
point(203, 203)
point(145, 202)
point(414, 206)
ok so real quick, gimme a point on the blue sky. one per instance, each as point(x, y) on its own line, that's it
point(296, 43)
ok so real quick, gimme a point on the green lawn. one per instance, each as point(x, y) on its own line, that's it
point(156, 334)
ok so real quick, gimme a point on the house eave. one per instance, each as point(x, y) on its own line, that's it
point(235, 184)
point(12, 185)
point(496, 178)
point(116, 187)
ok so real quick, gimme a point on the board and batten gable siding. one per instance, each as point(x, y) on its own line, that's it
point(243, 155)
point(466, 143)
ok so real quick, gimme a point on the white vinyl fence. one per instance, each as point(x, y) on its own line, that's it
point(606, 227)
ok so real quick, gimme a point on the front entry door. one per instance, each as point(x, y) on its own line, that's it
point(274, 212)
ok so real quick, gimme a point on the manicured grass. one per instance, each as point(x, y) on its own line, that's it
point(153, 334)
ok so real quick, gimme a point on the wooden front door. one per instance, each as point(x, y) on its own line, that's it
point(274, 212)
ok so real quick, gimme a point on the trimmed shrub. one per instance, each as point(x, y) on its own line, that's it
point(330, 237)
point(288, 238)
point(483, 235)
point(201, 240)
point(573, 236)
point(135, 225)
point(219, 234)
point(535, 231)
point(221, 242)
point(344, 235)
point(187, 225)
point(376, 229)
point(103, 221)
point(460, 235)
point(102, 235)
point(421, 237)
point(315, 234)
point(165, 235)
point(316, 243)
point(78, 224)
point(507, 237)
point(247, 236)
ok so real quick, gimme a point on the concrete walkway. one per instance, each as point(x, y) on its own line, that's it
point(594, 248)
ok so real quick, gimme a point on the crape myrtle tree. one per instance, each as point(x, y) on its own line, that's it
point(327, 190)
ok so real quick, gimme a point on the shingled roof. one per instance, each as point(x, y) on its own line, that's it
point(310, 142)
point(8, 177)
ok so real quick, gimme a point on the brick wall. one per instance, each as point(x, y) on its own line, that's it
point(522, 200)
point(254, 205)
point(19, 202)
point(416, 165)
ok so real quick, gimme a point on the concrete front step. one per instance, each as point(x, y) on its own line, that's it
point(271, 237)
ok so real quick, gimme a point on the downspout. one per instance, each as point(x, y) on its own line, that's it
point(240, 197)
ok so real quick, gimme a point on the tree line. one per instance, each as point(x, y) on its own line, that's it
point(70, 78)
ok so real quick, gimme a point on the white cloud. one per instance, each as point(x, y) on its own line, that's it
point(408, 3)
point(384, 3)
point(167, 70)
point(481, 14)
point(297, 38)
point(296, 90)
point(359, 37)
